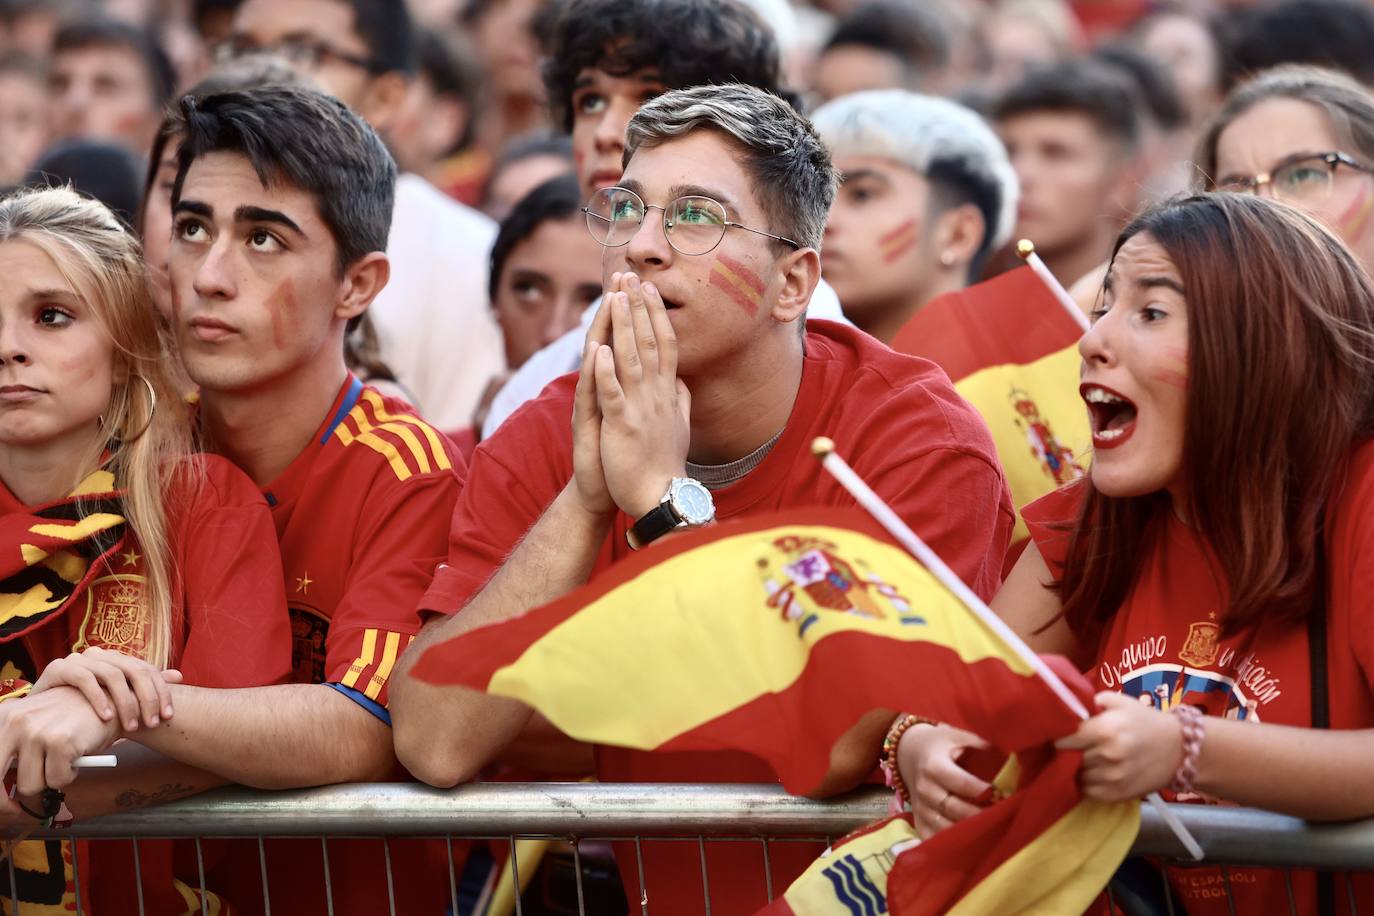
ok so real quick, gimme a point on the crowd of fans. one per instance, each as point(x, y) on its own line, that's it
point(333, 329)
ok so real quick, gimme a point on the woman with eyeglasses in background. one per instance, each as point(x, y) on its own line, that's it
point(1305, 136)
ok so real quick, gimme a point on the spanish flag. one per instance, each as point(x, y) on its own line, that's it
point(1012, 352)
point(774, 635)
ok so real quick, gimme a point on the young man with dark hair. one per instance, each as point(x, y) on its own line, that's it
point(282, 205)
point(695, 379)
point(109, 81)
point(926, 195)
point(606, 59)
point(1073, 133)
point(432, 319)
point(882, 44)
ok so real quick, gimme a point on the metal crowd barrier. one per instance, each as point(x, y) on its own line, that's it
point(760, 814)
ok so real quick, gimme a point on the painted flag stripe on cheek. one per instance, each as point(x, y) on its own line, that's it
point(899, 241)
point(741, 284)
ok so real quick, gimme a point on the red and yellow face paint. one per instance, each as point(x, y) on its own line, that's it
point(1173, 369)
point(742, 285)
point(898, 242)
point(1353, 223)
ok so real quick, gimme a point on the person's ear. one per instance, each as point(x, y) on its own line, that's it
point(362, 281)
point(801, 272)
point(383, 97)
point(958, 234)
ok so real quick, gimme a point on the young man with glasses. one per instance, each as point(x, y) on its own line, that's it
point(698, 399)
point(435, 329)
point(608, 57)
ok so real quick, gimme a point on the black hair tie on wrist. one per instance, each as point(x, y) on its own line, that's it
point(52, 805)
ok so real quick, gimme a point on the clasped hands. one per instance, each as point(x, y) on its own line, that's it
point(1129, 750)
point(631, 413)
point(80, 705)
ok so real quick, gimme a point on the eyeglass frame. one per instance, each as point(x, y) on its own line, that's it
point(1252, 183)
point(667, 234)
point(322, 51)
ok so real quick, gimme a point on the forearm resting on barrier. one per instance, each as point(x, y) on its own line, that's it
point(142, 779)
point(1315, 774)
point(445, 735)
point(279, 737)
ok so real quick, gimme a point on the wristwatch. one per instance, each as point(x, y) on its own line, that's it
point(687, 504)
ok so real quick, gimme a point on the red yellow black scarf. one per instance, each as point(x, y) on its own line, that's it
point(50, 554)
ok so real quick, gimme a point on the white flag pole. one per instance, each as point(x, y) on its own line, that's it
point(1025, 249)
point(824, 449)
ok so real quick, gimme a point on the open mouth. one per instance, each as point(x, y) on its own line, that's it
point(669, 304)
point(1113, 415)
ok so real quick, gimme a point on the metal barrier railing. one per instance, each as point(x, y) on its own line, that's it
point(715, 813)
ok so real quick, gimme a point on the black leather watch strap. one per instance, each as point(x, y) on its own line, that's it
point(653, 525)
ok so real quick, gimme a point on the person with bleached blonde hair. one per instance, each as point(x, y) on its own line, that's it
point(117, 543)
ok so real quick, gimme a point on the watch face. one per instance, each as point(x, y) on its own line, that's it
point(693, 502)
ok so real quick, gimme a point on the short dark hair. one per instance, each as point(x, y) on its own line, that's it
point(386, 28)
point(104, 171)
point(689, 42)
point(1329, 33)
point(1152, 79)
point(558, 198)
point(451, 68)
point(103, 32)
point(527, 146)
point(305, 139)
point(1104, 95)
point(913, 35)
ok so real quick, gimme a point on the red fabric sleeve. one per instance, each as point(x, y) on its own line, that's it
point(1351, 564)
point(394, 557)
point(238, 632)
point(512, 479)
point(1049, 518)
point(937, 467)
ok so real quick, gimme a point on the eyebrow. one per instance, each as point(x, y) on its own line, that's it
point(244, 214)
point(61, 295)
point(864, 173)
point(1152, 282)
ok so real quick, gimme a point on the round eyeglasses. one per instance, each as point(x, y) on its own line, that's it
point(693, 225)
point(1306, 181)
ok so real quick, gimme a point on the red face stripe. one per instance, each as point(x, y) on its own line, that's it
point(899, 241)
point(742, 285)
point(282, 307)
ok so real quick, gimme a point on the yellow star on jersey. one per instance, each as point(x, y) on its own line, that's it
point(303, 584)
point(131, 557)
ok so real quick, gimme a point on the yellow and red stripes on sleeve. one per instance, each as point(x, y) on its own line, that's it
point(410, 445)
point(372, 668)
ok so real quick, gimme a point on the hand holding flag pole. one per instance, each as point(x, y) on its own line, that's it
point(1025, 249)
point(824, 449)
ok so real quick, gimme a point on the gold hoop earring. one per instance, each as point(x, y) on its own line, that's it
point(152, 409)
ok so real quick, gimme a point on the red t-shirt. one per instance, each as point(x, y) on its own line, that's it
point(896, 419)
point(234, 633)
point(362, 518)
point(1164, 647)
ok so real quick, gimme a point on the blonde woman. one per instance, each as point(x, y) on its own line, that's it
point(116, 542)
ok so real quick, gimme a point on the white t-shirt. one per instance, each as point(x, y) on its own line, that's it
point(433, 322)
point(564, 355)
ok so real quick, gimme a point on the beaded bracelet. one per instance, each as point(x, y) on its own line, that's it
point(888, 760)
point(1190, 725)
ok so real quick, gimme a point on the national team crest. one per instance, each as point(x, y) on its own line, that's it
point(116, 618)
point(805, 575)
point(1054, 457)
point(1203, 642)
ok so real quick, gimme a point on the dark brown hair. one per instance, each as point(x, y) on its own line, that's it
point(1280, 384)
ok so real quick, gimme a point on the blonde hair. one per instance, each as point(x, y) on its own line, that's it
point(150, 450)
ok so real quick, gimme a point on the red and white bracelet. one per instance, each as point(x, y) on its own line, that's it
point(1191, 728)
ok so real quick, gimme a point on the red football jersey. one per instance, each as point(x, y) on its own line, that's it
point(1164, 647)
point(234, 633)
point(362, 516)
point(896, 419)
